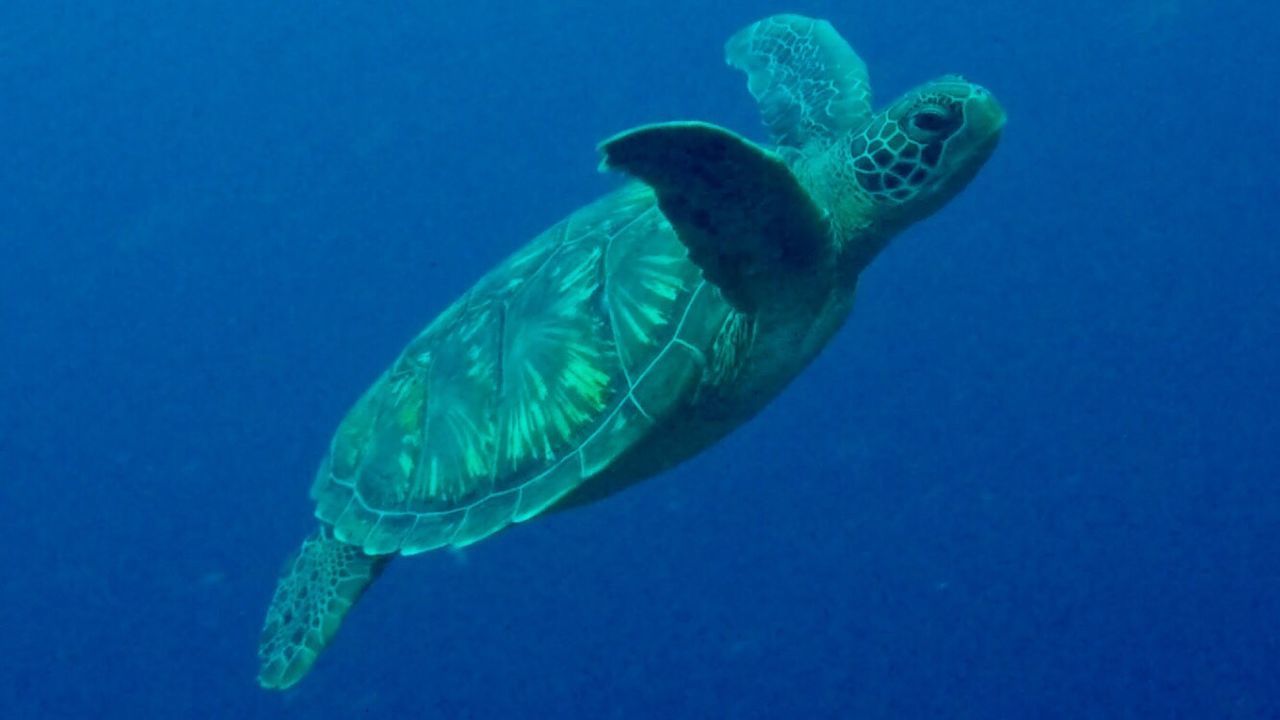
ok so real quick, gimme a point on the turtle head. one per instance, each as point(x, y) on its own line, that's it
point(913, 157)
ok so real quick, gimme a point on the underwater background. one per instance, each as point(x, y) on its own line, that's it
point(1036, 475)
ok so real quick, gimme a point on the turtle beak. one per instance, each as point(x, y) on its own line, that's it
point(985, 118)
point(973, 145)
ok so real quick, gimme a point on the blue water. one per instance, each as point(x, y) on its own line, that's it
point(1035, 476)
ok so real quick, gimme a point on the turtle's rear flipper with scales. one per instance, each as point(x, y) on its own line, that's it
point(317, 589)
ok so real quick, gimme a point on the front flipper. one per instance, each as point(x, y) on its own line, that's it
point(318, 588)
point(809, 83)
point(748, 223)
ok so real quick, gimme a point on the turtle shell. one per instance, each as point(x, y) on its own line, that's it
point(557, 361)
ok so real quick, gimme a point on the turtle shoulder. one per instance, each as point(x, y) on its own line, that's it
point(551, 366)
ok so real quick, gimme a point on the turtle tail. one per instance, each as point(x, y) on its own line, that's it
point(318, 587)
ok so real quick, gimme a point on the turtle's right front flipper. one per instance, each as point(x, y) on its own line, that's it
point(318, 588)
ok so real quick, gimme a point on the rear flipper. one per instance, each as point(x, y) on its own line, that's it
point(318, 588)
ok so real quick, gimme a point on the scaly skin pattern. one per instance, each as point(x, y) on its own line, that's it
point(901, 165)
point(896, 154)
point(810, 85)
point(320, 585)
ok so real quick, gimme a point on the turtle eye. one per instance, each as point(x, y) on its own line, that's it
point(933, 122)
point(929, 121)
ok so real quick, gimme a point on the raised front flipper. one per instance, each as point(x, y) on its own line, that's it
point(809, 83)
point(747, 221)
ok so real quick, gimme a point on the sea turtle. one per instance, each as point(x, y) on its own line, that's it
point(637, 331)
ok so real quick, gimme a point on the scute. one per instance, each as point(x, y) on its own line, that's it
point(451, 452)
point(539, 493)
point(646, 282)
point(485, 518)
point(431, 531)
point(552, 366)
point(559, 368)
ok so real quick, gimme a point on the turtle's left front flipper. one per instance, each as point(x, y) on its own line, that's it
point(747, 221)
